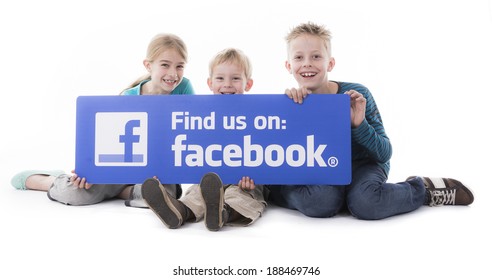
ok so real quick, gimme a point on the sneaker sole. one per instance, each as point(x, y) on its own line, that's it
point(213, 195)
point(161, 204)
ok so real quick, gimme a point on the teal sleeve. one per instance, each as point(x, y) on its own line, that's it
point(184, 87)
point(131, 91)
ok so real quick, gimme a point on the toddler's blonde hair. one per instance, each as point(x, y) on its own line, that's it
point(232, 55)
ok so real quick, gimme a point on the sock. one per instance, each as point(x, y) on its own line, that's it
point(136, 198)
point(234, 216)
point(189, 216)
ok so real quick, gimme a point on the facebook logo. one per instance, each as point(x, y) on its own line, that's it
point(121, 139)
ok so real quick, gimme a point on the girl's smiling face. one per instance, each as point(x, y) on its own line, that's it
point(166, 72)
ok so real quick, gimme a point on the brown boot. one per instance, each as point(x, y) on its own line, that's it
point(213, 194)
point(172, 212)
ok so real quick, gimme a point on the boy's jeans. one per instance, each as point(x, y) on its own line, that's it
point(368, 197)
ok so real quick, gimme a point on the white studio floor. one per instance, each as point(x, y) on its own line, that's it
point(41, 238)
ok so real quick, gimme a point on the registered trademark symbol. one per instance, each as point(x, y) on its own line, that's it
point(332, 161)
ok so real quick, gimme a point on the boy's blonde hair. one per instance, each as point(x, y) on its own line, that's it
point(310, 28)
point(232, 55)
point(160, 43)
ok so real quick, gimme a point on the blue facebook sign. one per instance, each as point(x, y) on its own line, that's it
point(127, 139)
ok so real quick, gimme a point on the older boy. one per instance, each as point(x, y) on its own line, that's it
point(368, 197)
point(230, 73)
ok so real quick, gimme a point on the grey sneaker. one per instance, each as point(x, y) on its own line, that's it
point(447, 191)
point(170, 211)
point(136, 198)
point(213, 194)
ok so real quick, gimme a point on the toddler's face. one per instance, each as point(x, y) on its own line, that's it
point(228, 78)
point(308, 61)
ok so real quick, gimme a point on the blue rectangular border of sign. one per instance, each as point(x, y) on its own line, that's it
point(127, 139)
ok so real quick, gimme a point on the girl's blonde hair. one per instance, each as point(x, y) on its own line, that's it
point(158, 44)
point(232, 55)
point(310, 28)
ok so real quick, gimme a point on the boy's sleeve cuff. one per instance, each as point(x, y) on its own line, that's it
point(361, 131)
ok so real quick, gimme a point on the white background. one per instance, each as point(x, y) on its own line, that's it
point(427, 63)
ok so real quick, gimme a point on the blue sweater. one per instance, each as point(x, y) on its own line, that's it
point(369, 140)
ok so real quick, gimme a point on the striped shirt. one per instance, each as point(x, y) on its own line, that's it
point(369, 140)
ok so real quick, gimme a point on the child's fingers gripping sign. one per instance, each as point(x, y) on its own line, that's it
point(357, 107)
point(297, 94)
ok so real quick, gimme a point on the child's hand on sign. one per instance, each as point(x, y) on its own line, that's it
point(297, 94)
point(357, 107)
point(78, 182)
point(246, 184)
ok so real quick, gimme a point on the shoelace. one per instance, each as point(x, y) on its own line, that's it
point(442, 197)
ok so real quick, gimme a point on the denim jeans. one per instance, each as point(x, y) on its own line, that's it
point(368, 197)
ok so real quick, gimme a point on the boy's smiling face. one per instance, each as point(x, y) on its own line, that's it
point(229, 78)
point(309, 61)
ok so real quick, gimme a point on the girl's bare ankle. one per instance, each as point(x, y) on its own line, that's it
point(39, 182)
